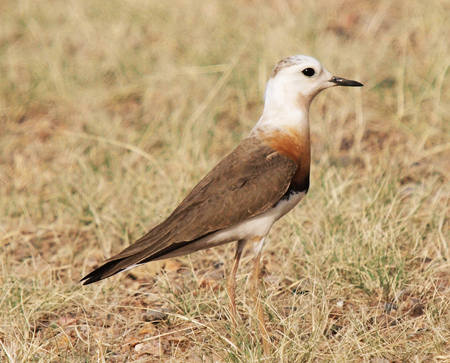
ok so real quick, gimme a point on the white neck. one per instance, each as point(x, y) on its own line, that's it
point(284, 108)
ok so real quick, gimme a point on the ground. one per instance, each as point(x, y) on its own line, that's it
point(111, 111)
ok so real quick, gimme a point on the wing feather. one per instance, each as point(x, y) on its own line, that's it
point(246, 183)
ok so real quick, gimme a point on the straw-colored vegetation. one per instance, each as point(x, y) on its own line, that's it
point(111, 111)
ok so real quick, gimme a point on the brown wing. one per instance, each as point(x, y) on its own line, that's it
point(247, 182)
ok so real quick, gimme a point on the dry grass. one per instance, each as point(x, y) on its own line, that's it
point(111, 111)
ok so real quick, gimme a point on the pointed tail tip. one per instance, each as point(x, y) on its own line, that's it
point(104, 271)
point(89, 279)
point(98, 274)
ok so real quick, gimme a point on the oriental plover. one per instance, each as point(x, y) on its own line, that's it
point(261, 180)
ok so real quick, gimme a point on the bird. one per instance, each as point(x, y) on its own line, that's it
point(262, 179)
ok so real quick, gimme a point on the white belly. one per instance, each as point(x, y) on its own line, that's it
point(258, 226)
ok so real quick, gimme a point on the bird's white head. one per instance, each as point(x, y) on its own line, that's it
point(296, 80)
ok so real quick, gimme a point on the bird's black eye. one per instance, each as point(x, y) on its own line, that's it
point(308, 72)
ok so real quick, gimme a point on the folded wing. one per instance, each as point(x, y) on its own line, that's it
point(246, 183)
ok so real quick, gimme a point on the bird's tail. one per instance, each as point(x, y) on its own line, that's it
point(110, 268)
point(127, 260)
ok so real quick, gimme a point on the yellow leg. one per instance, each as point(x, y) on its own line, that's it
point(256, 298)
point(231, 283)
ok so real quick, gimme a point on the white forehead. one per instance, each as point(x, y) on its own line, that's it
point(297, 60)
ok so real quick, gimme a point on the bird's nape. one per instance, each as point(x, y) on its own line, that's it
point(261, 180)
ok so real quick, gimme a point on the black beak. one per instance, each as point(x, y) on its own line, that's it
point(345, 82)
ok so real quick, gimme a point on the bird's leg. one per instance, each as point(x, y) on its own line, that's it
point(231, 282)
point(257, 301)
